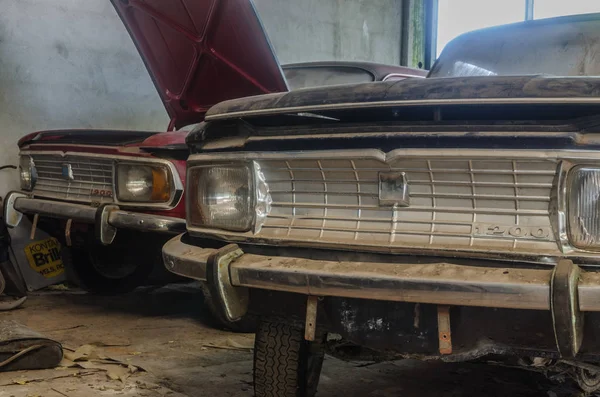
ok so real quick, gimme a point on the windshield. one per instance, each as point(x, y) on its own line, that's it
point(560, 47)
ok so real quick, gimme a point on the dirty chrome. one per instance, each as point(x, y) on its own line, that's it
point(76, 176)
point(440, 283)
point(462, 202)
point(114, 216)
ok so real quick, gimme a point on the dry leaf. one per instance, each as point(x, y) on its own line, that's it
point(21, 381)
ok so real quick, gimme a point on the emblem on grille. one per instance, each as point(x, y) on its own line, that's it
point(67, 172)
point(393, 189)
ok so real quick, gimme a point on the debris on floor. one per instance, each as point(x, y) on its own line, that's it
point(162, 342)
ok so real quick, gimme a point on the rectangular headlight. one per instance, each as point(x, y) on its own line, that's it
point(143, 183)
point(221, 197)
point(584, 208)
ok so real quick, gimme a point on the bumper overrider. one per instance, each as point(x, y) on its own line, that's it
point(566, 290)
point(107, 218)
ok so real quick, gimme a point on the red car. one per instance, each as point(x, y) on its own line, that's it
point(82, 186)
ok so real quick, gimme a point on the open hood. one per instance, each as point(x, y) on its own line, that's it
point(201, 52)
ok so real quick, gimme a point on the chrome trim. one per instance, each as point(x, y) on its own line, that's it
point(12, 217)
point(177, 183)
point(56, 209)
point(115, 217)
point(400, 103)
point(186, 260)
point(438, 283)
point(263, 200)
point(146, 222)
point(401, 75)
point(557, 204)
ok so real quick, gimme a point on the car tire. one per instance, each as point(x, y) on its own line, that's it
point(587, 381)
point(114, 269)
point(246, 324)
point(285, 365)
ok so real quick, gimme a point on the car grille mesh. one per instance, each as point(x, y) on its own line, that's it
point(455, 203)
point(92, 178)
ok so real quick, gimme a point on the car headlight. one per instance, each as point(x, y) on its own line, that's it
point(144, 183)
point(222, 197)
point(27, 172)
point(584, 208)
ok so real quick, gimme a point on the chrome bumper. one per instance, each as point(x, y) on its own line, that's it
point(564, 289)
point(108, 218)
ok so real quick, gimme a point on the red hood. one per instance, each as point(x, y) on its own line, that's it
point(201, 52)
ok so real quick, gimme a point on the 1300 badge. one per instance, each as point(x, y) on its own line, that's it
point(44, 257)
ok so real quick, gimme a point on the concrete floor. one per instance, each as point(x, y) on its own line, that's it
point(167, 332)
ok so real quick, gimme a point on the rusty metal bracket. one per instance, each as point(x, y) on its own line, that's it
point(310, 328)
point(445, 335)
point(36, 218)
point(104, 231)
point(68, 232)
point(230, 300)
point(567, 319)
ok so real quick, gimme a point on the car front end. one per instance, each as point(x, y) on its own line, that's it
point(452, 227)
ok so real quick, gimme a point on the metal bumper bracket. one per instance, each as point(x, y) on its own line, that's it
point(233, 301)
point(105, 231)
point(12, 217)
point(567, 318)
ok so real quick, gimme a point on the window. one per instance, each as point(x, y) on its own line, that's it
point(557, 8)
point(456, 17)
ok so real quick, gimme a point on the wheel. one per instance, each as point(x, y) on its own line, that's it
point(114, 269)
point(246, 324)
point(588, 382)
point(285, 365)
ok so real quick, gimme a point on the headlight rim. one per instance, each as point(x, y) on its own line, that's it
point(192, 198)
point(165, 167)
point(568, 199)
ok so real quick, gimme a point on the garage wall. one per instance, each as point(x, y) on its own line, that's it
point(313, 30)
point(71, 64)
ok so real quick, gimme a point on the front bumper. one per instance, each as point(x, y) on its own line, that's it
point(107, 218)
point(566, 290)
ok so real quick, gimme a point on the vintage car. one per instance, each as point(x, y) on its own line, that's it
point(85, 185)
point(450, 218)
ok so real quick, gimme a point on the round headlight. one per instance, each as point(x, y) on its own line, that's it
point(224, 198)
point(27, 172)
point(143, 183)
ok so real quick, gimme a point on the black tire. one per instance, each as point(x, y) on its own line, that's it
point(587, 381)
point(114, 269)
point(285, 365)
point(246, 324)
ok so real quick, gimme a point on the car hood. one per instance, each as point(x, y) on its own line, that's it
point(414, 92)
point(201, 52)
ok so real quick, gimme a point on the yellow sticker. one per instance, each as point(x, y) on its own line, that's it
point(44, 257)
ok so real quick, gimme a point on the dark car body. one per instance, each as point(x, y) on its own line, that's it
point(439, 218)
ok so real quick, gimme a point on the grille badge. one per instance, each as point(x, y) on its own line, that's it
point(67, 172)
point(393, 189)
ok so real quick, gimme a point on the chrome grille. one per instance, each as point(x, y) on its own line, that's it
point(92, 178)
point(456, 203)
